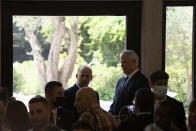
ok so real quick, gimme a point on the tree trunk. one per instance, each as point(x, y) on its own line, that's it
point(53, 57)
point(38, 59)
point(52, 72)
point(68, 66)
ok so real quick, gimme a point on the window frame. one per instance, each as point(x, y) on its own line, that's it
point(170, 3)
point(132, 9)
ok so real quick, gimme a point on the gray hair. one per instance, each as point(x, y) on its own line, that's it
point(132, 55)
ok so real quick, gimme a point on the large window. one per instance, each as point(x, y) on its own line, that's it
point(178, 52)
point(103, 30)
point(45, 50)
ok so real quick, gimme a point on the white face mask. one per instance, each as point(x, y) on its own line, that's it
point(160, 91)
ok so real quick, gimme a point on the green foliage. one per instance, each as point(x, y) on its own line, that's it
point(25, 78)
point(17, 80)
point(106, 34)
point(105, 79)
point(109, 33)
point(102, 38)
point(86, 47)
point(179, 51)
point(46, 31)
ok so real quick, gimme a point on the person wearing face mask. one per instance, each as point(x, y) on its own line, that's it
point(159, 86)
point(55, 97)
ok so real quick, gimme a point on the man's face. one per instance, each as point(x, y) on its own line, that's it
point(160, 88)
point(39, 114)
point(57, 92)
point(128, 65)
point(84, 76)
point(80, 103)
point(163, 116)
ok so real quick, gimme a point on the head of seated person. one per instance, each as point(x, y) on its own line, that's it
point(144, 101)
point(39, 112)
point(85, 99)
point(17, 118)
point(192, 115)
point(165, 115)
point(81, 126)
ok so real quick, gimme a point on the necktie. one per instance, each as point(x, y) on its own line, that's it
point(125, 81)
point(123, 84)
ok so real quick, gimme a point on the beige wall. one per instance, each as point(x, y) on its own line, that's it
point(151, 39)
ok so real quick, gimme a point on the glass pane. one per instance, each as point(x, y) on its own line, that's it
point(53, 47)
point(179, 28)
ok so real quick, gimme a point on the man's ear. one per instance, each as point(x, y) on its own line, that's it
point(76, 75)
point(91, 78)
point(48, 96)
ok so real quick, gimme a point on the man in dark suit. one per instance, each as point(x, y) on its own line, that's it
point(83, 76)
point(159, 85)
point(55, 97)
point(129, 84)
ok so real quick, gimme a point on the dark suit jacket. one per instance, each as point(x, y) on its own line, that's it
point(70, 96)
point(125, 95)
point(180, 121)
point(65, 118)
point(138, 123)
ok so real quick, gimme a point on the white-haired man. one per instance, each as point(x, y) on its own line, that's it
point(129, 84)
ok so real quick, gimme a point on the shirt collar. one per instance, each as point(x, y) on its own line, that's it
point(131, 74)
point(78, 85)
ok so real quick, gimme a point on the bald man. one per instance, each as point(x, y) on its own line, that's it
point(83, 76)
point(86, 104)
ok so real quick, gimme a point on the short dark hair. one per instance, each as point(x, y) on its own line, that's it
point(17, 116)
point(145, 99)
point(51, 85)
point(158, 75)
point(37, 99)
point(81, 125)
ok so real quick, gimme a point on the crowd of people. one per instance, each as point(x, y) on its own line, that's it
point(139, 104)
